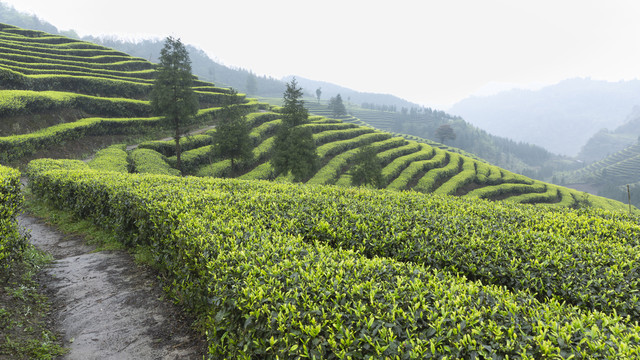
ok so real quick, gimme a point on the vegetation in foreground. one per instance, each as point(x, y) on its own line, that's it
point(292, 270)
point(24, 312)
point(26, 332)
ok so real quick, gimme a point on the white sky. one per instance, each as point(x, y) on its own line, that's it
point(430, 52)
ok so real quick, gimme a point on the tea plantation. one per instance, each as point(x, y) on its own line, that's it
point(622, 167)
point(456, 258)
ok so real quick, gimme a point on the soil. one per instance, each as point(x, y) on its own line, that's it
point(108, 307)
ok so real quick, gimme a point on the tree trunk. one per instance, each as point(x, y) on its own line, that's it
point(178, 150)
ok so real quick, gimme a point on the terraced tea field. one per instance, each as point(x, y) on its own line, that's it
point(622, 167)
point(451, 261)
point(54, 90)
point(108, 91)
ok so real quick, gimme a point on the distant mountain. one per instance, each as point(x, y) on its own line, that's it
point(606, 142)
point(610, 176)
point(330, 90)
point(560, 118)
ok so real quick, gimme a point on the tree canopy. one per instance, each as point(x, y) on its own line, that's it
point(337, 106)
point(172, 95)
point(294, 148)
point(231, 139)
point(445, 132)
point(367, 170)
point(293, 111)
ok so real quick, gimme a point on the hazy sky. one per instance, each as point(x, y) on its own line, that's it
point(429, 52)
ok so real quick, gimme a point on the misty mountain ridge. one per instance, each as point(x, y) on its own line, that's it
point(330, 90)
point(560, 117)
point(606, 142)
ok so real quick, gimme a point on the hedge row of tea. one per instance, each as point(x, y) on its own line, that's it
point(378, 120)
point(18, 146)
point(25, 102)
point(268, 278)
point(145, 161)
point(580, 249)
point(11, 243)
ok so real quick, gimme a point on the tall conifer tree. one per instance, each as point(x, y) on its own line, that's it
point(172, 95)
point(231, 139)
point(294, 149)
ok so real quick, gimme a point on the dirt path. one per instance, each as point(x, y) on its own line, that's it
point(106, 306)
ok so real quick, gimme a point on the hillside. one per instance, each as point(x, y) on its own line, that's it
point(610, 176)
point(416, 121)
point(561, 118)
point(422, 123)
point(273, 269)
point(330, 90)
point(100, 96)
point(608, 141)
point(203, 65)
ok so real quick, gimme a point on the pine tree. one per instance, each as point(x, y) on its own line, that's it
point(294, 149)
point(252, 83)
point(337, 106)
point(367, 169)
point(445, 132)
point(172, 95)
point(231, 139)
point(293, 111)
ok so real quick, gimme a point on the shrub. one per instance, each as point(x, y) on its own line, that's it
point(193, 159)
point(12, 242)
point(168, 147)
point(459, 180)
point(113, 158)
point(415, 168)
point(147, 161)
point(267, 267)
point(427, 183)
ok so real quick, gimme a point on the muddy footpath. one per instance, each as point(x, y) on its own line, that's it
point(106, 306)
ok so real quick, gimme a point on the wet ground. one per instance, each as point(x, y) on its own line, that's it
point(106, 306)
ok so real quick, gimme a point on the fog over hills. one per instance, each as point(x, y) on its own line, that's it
point(560, 117)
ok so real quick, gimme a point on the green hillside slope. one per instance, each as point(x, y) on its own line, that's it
point(57, 91)
point(622, 167)
point(107, 93)
point(272, 269)
point(423, 123)
point(610, 176)
point(605, 142)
